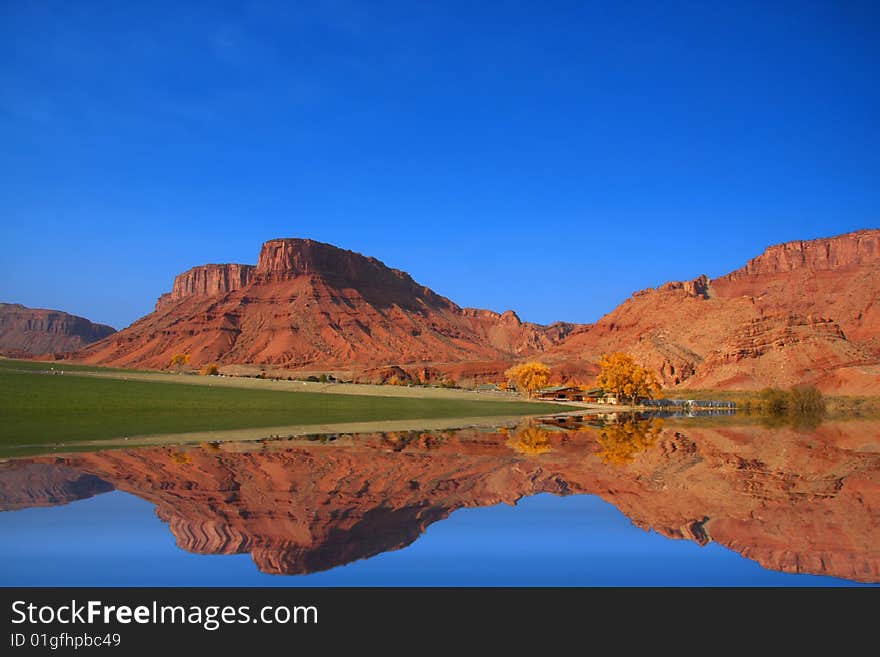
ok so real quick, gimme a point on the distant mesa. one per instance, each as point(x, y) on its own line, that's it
point(36, 331)
point(802, 312)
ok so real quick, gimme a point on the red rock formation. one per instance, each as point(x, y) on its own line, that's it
point(804, 503)
point(32, 331)
point(845, 252)
point(207, 281)
point(803, 312)
point(312, 305)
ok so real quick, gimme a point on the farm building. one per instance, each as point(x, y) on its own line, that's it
point(599, 396)
point(560, 393)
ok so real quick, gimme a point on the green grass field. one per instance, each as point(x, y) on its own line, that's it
point(40, 409)
point(41, 366)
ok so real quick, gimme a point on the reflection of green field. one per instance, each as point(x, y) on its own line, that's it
point(39, 409)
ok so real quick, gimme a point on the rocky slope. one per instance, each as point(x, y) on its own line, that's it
point(308, 304)
point(793, 502)
point(802, 312)
point(33, 331)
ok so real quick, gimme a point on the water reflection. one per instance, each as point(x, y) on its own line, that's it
point(791, 500)
point(623, 439)
point(530, 439)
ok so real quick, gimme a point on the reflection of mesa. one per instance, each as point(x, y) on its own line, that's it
point(791, 502)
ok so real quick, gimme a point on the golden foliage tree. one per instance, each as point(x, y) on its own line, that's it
point(179, 360)
point(621, 376)
point(623, 440)
point(528, 377)
point(211, 369)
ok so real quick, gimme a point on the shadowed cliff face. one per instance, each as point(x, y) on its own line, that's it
point(800, 503)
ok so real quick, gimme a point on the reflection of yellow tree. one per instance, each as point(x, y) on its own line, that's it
point(398, 440)
point(530, 441)
point(181, 458)
point(622, 441)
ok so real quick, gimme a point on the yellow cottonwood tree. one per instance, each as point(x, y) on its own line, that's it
point(179, 360)
point(528, 377)
point(621, 376)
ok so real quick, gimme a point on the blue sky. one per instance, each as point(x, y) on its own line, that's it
point(475, 145)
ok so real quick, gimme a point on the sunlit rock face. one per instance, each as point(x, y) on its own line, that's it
point(792, 501)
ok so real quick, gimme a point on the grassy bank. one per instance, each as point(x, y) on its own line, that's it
point(39, 409)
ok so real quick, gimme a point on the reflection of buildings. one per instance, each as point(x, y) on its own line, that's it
point(690, 407)
point(792, 501)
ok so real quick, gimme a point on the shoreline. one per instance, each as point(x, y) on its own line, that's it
point(257, 435)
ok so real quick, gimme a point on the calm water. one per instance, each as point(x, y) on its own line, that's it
point(597, 503)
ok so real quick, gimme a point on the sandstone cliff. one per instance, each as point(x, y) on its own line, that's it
point(207, 281)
